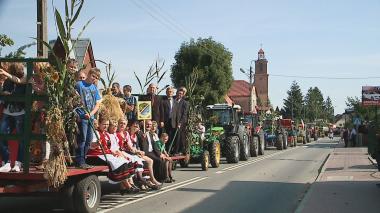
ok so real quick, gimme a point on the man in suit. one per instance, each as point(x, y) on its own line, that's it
point(167, 109)
point(157, 113)
point(179, 121)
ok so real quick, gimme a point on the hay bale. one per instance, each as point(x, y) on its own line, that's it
point(110, 105)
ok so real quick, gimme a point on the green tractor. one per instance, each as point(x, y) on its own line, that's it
point(205, 150)
point(226, 123)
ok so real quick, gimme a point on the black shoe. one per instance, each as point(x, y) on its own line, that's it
point(168, 180)
point(173, 180)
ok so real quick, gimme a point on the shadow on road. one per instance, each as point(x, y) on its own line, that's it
point(252, 196)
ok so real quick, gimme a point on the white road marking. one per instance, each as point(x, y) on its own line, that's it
point(168, 189)
point(255, 160)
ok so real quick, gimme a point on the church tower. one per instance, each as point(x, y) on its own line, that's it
point(261, 80)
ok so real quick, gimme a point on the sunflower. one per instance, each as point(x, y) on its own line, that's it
point(55, 77)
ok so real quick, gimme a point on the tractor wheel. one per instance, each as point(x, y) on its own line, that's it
point(214, 150)
point(244, 148)
point(254, 148)
point(261, 143)
point(279, 142)
point(205, 160)
point(87, 194)
point(232, 149)
point(284, 142)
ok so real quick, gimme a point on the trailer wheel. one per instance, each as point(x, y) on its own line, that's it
point(174, 165)
point(87, 194)
point(185, 162)
point(205, 160)
point(279, 142)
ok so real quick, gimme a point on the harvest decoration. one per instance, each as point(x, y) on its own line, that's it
point(62, 97)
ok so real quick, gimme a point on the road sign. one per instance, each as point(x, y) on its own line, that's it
point(357, 121)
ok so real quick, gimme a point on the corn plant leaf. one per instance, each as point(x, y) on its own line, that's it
point(163, 74)
point(66, 9)
point(57, 59)
point(138, 79)
point(103, 82)
point(81, 32)
point(72, 7)
point(77, 12)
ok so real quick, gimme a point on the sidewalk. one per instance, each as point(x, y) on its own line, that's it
point(347, 183)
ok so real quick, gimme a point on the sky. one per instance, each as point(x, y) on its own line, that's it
point(324, 38)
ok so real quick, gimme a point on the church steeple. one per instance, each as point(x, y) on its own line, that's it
point(261, 55)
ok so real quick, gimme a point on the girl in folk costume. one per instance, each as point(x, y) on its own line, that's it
point(116, 148)
point(120, 165)
point(133, 145)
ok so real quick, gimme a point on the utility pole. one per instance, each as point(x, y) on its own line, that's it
point(42, 50)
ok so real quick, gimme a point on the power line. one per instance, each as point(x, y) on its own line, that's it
point(168, 22)
point(327, 78)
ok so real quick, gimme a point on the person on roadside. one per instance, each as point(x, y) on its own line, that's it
point(179, 121)
point(91, 102)
point(131, 102)
point(353, 136)
point(345, 137)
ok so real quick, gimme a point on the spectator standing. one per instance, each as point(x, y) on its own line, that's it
point(167, 109)
point(345, 136)
point(131, 103)
point(91, 101)
point(179, 121)
point(353, 136)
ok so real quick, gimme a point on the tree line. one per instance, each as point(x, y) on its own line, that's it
point(310, 107)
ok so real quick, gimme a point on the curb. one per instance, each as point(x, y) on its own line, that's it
point(321, 170)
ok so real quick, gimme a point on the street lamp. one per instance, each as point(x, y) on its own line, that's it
point(250, 76)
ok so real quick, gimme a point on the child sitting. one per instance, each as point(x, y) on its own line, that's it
point(161, 145)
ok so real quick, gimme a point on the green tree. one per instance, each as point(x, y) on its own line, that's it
point(314, 103)
point(213, 62)
point(328, 110)
point(293, 103)
point(5, 41)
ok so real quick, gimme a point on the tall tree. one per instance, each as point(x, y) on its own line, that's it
point(293, 104)
point(329, 110)
point(213, 62)
point(314, 103)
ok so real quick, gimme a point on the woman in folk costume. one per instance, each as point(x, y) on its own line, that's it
point(119, 165)
point(132, 141)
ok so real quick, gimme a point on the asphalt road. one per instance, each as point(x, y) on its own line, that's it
point(275, 182)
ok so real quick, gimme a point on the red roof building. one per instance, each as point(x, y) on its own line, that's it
point(239, 93)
